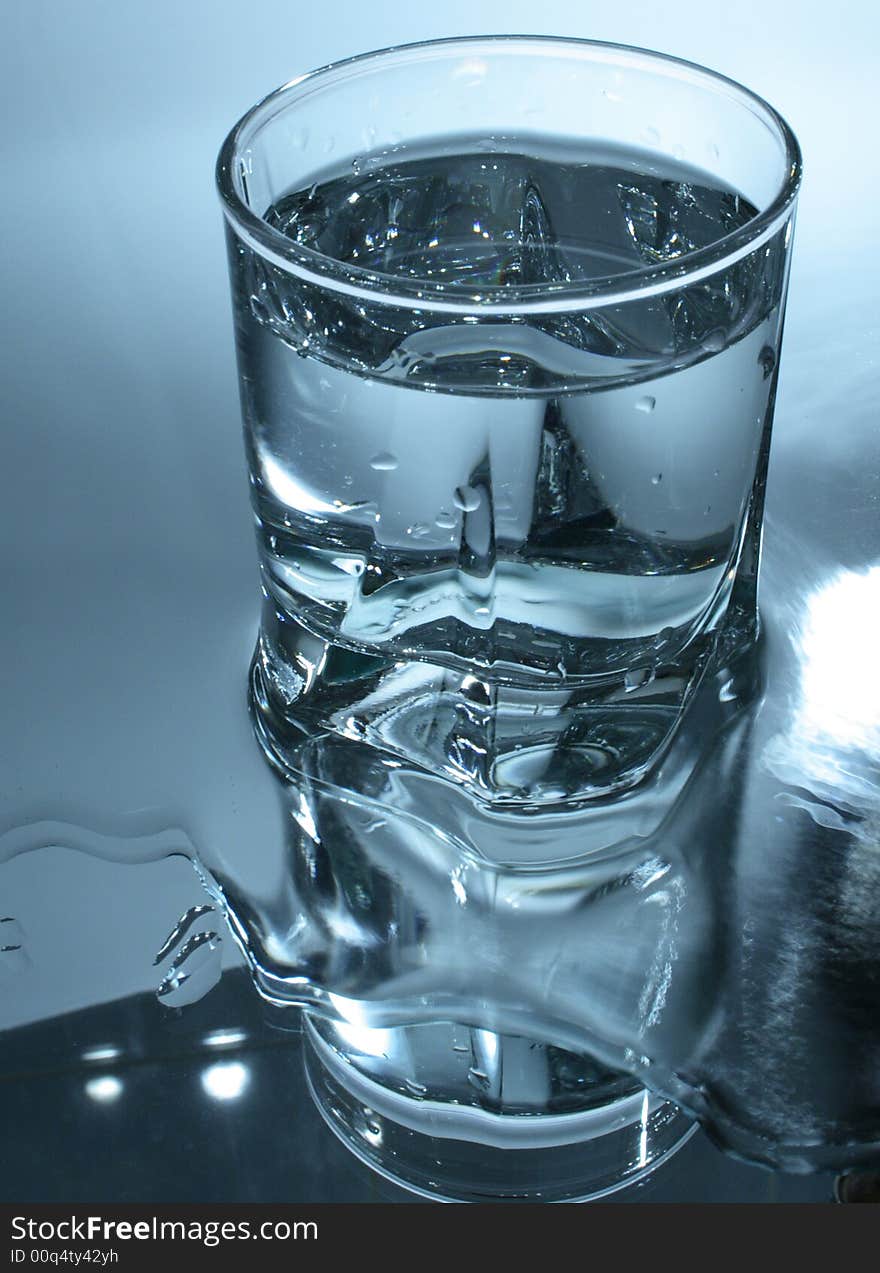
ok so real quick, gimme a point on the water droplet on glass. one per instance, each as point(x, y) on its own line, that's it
point(656, 479)
point(767, 361)
point(727, 693)
point(637, 677)
point(384, 462)
point(372, 1132)
point(646, 404)
point(715, 341)
point(445, 520)
point(420, 530)
point(259, 310)
point(467, 499)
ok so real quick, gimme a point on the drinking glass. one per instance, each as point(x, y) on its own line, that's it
point(508, 315)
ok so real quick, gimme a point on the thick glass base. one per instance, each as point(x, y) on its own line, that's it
point(513, 746)
point(495, 1118)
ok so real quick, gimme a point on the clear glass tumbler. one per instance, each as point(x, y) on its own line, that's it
point(508, 315)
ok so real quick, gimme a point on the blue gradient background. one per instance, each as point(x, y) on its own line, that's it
point(116, 327)
point(126, 553)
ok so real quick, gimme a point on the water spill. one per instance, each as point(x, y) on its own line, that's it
point(180, 929)
point(194, 971)
point(78, 956)
point(132, 845)
point(822, 814)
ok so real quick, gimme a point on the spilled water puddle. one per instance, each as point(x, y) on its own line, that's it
point(87, 917)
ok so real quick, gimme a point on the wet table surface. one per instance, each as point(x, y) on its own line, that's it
point(130, 612)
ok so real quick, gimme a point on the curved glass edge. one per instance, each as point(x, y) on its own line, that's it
point(431, 295)
point(579, 1157)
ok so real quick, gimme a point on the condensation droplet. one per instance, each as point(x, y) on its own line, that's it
point(445, 520)
point(767, 361)
point(384, 462)
point(259, 310)
point(467, 499)
point(715, 341)
point(656, 479)
point(646, 404)
point(420, 530)
point(637, 677)
point(478, 1078)
point(369, 1125)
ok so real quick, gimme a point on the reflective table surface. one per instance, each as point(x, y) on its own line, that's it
point(196, 1109)
point(130, 1031)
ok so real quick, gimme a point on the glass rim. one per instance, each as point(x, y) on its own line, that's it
point(433, 295)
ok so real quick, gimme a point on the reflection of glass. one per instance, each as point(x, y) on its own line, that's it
point(507, 395)
point(477, 980)
point(548, 1124)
